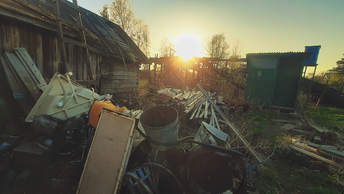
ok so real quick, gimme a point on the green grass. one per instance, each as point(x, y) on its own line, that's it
point(267, 182)
point(328, 117)
point(263, 118)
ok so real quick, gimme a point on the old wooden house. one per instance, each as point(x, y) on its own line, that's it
point(60, 36)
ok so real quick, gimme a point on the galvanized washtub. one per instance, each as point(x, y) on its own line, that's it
point(161, 124)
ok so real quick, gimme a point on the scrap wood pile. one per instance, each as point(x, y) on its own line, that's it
point(318, 143)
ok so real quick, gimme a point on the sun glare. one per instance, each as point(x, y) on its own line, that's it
point(187, 46)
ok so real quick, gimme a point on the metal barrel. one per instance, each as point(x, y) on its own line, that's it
point(161, 124)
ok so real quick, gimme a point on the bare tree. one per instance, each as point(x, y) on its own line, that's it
point(105, 12)
point(216, 46)
point(237, 47)
point(121, 12)
point(167, 48)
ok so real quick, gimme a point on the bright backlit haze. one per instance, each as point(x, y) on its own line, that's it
point(262, 25)
point(187, 46)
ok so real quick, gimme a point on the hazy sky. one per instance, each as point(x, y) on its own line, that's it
point(262, 25)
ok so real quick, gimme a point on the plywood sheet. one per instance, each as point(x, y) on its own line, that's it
point(108, 155)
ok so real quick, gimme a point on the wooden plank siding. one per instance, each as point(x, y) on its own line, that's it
point(42, 45)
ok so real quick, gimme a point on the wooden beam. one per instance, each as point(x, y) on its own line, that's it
point(71, 5)
point(39, 52)
point(83, 39)
point(80, 44)
point(62, 48)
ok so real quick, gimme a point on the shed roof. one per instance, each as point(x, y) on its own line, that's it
point(291, 54)
point(103, 36)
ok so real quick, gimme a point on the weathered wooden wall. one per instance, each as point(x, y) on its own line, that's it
point(114, 76)
point(43, 48)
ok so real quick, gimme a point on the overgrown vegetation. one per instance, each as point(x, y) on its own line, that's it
point(326, 116)
point(287, 171)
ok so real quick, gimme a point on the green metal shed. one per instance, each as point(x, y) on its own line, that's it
point(273, 79)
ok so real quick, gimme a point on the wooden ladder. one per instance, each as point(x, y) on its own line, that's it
point(62, 39)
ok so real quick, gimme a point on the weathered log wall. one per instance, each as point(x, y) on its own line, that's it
point(43, 48)
point(115, 77)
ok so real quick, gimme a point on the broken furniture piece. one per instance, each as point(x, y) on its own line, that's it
point(109, 154)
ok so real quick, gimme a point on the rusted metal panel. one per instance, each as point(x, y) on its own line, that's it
point(108, 155)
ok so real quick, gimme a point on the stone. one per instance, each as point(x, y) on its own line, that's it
point(23, 175)
point(288, 127)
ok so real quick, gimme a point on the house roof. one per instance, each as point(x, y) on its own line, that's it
point(103, 36)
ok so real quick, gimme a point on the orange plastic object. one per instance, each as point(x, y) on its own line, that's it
point(97, 108)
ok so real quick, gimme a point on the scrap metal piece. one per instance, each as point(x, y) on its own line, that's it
point(223, 116)
point(63, 99)
point(217, 133)
point(109, 154)
point(328, 149)
point(200, 102)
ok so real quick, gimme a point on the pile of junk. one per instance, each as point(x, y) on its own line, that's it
point(131, 151)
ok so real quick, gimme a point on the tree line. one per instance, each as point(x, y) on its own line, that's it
point(121, 12)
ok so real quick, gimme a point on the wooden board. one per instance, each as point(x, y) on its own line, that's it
point(108, 156)
point(31, 68)
point(25, 77)
point(19, 93)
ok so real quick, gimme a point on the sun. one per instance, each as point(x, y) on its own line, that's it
point(187, 46)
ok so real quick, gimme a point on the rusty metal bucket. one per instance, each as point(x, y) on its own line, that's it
point(161, 124)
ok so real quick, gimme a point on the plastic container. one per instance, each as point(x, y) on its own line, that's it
point(97, 108)
point(313, 59)
point(161, 124)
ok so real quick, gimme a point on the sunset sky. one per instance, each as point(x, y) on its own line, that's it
point(262, 25)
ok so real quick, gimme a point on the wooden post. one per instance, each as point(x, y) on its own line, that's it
point(304, 73)
point(149, 72)
point(161, 77)
point(186, 73)
point(154, 71)
point(83, 39)
point(198, 72)
point(60, 39)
